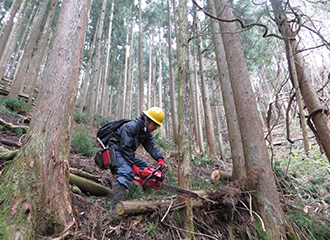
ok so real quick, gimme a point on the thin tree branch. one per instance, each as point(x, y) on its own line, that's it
point(241, 23)
point(324, 84)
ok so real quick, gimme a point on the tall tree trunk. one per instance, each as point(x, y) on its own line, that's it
point(9, 25)
point(184, 116)
point(217, 118)
point(154, 81)
point(150, 70)
point(97, 69)
point(234, 133)
point(11, 41)
point(38, 57)
point(20, 50)
point(141, 78)
point(174, 115)
point(31, 47)
point(196, 107)
point(130, 69)
point(105, 86)
point(209, 127)
point(160, 76)
point(87, 88)
point(125, 72)
point(317, 113)
point(258, 167)
point(35, 201)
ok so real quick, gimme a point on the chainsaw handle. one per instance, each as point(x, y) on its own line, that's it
point(152, 174)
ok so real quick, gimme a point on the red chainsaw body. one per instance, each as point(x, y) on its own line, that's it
point(154, 182)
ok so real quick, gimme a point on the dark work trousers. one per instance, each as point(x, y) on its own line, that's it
point(125, 172)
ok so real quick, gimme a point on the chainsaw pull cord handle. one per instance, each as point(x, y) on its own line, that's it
point(152, 174)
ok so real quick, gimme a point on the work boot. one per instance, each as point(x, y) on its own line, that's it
point(118, 194)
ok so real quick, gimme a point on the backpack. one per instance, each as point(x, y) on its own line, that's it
point(109, 129)
point(106, 158)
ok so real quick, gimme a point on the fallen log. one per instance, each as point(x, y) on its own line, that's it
point(12, 127)
point(218, 174)
point(10, 142)
point(6, 154)
point(83, 174)
point(133, 207)
point(88, 186)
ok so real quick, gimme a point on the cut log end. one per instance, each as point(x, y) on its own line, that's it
point(120, 208)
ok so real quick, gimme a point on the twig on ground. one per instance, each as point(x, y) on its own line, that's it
point(168, 209)
point(195, 233)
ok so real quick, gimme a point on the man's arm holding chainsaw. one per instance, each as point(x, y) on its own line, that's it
point(151, 147)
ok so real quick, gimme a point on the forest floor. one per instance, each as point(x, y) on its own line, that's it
point(230, 219)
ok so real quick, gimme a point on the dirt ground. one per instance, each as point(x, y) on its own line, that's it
point(93, 220)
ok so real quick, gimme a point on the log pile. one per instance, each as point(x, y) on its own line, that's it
point(5, 85)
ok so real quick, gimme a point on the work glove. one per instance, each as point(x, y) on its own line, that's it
point(161, 162)
point(136, 170)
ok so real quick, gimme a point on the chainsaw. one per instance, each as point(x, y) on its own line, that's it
point(155, 178)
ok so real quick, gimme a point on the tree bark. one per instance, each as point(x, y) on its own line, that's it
point(140, 107)
point(259, 171)
point(130, 69)
point(174, 116)
point(184, 116)
point(84, 101)
point(105, 86)
point(30, 49)
point(8, 27)
point(12, 39)
point(196, 108)
point(209, 126)
point(150, 70)
point(97, 69)
point(234, 133)
point(34, 195)
point(125, 72)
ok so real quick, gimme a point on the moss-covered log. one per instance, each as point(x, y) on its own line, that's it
point(6, 154)
point(90, 187)
point(83, 174)
point(13, 128)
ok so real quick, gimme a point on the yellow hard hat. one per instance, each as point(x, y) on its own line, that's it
point(155, 114)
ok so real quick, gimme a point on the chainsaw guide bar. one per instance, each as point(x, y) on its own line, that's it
point(179, 191)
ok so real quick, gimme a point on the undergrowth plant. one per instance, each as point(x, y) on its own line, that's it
point(304, 182)
point(151, 230)
point(11, 107)
point(100, 120)
point(82, 142)
point(80, 117)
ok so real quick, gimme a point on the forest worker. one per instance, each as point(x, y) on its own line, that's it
point(132, 134)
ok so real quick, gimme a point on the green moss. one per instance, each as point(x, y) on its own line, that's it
point(231, 233)
point(318, 180)
point(261, 234)
point(327, 199)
